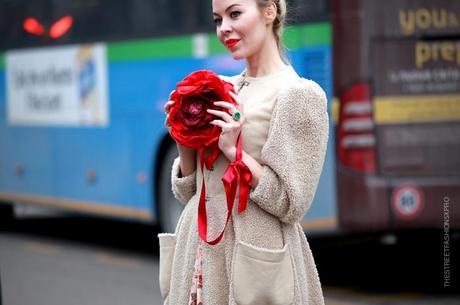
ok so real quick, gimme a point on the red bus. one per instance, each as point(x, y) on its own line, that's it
point(397, 88)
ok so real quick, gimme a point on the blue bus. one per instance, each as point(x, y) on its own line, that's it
point(83, 83)
point(82, 88)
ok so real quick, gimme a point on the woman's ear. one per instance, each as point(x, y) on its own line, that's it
point(270, 13)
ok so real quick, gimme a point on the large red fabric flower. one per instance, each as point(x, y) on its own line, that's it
point(188, 117)
point(190, 126)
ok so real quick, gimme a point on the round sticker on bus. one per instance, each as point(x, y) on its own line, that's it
point(407, 200)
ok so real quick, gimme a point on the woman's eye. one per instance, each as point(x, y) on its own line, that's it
point(217, 20)
point(235, 14)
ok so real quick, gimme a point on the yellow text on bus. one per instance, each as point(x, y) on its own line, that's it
point(411, 20)
point(436, 51)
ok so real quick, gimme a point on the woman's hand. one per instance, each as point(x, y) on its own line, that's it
point(231, 128)
point(167, 108)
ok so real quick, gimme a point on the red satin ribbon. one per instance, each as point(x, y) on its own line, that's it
point(236, 172)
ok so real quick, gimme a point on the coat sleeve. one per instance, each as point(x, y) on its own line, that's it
point(183, 188)
point(293, 156)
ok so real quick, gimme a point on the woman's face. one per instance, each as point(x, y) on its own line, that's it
point(240, 26)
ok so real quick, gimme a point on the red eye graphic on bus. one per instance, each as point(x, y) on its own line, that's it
point(32, 26)
point(61, 27)
point(57, 30)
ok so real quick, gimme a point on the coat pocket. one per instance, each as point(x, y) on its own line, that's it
point(263, 276)
point(167, 246)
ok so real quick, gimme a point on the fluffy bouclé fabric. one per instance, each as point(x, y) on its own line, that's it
point(286, 132)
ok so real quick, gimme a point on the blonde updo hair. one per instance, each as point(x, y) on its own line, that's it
point(278, 23)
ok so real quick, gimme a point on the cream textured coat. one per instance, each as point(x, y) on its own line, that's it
point(264, 257)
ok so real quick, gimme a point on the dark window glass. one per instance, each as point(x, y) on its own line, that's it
point(108, 20)
point(300, 11)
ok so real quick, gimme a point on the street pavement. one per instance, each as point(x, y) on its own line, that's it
point(78, 261)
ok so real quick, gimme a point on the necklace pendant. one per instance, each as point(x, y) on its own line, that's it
point(241, 85)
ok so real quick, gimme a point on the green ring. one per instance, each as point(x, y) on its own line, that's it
point(236, 116)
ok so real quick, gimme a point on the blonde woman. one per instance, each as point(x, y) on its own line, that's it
point(264, 257)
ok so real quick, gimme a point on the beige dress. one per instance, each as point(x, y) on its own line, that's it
point(264, 257)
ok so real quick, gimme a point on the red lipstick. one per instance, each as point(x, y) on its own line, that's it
point(230, 43)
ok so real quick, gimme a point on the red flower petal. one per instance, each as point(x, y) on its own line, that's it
point(190, 121)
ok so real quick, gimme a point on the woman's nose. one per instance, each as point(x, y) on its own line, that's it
point(225, 26)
